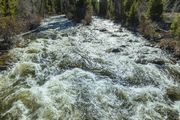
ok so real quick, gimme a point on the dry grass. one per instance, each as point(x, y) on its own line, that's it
point(171, 45)
point(4, 59)
point(168, 17)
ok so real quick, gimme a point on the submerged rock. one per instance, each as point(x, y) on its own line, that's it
point(177, 53)
point(103, 30)
point(24, 70)
point(157, 61)
point(114, 35)
point(114, 50)
point(173, 93)
point(64, 35)
point(170, 114)
point(174, 71)
point(4, 59)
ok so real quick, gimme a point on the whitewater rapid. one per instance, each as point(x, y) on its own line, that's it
point(67, 71)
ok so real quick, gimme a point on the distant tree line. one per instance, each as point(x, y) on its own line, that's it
point(23, 15)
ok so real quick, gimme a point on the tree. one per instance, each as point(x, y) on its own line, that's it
point(119, 10)
point(70, 9)
point(103, 4)
point(95, 5)
point(132, 15)
point(110, 9)
point(156, 9)
point(2, 7)
point(84, 11)
point(7, 7)
point(89, 12)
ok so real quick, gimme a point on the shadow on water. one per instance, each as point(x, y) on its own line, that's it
point(58, 23)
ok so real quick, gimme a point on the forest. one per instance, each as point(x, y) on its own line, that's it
point(23, 15)
point(89, 59)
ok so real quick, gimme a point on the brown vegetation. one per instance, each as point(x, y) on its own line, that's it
point(171, 45)
point(8, 28)
point(146, 27)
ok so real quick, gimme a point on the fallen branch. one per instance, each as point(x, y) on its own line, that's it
point(26, 33)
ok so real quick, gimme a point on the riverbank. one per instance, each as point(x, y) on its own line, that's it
point(160, 34)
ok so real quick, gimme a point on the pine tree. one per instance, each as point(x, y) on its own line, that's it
point(12, 7)
point(84, 11)
point(119, 11)
point(7, 7)
point(95, 5)
point(103, 4)
point(132, 15)
point(156, 9)
point(70, 9)
point(89, 12)
point(110, 9)
point(2, 7)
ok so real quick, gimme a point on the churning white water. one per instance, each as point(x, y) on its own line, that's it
point(96, 72)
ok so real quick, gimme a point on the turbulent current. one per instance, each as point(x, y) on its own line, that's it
point(67, 71)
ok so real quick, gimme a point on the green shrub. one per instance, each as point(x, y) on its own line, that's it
point(175, 26)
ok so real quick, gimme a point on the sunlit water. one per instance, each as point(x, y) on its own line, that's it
point(96, 72)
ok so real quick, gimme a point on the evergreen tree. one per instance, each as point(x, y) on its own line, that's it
point(156, 9)
point(7, 7)
point(95, 5)
point(103, 4)
point(119, 10)
point(84, 11)
point(110, 9)
point(2, 7)
point(132, 15)
point(70, 11)
point(49, 6)
point(89, 12)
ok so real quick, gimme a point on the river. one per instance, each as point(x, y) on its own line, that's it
point(68, 71)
